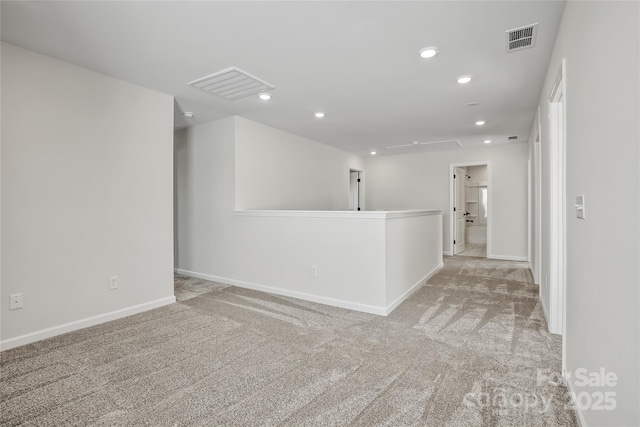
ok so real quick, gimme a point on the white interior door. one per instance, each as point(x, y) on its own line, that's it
point(557, 255)
point(354, 190)
point(459, 210)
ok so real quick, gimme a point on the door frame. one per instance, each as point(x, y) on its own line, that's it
point(558, 198)
point(455, 213)
point(530, 213)
point(360, 188)
point(452, 168)
point(537, 202)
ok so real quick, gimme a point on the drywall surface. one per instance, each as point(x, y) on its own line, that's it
point(279, 170)
point(204, 161)
point(279, 253)
point(421, 181)
point(477, 173)
point(411, 244)
point(602, 163)
point(476, 234)
point(275, 252)
point(86, 195)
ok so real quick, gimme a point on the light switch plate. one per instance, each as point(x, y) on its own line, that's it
point(580, 207)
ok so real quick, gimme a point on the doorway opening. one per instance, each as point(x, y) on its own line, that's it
point(355, 190)
point(470, 210)
point(536, 254)
point(557, 253)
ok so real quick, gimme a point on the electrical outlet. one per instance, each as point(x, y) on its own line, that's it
point(113, 282)
point(314, 270)
point(546, 281)
point(15, 301)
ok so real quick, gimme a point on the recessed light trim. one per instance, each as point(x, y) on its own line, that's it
point(188, 114)
point(480, 122)
point(319, 115)
point(373, 153)
point(265, 96)
point(487, 141)
point(464, 79)
point(429, 52)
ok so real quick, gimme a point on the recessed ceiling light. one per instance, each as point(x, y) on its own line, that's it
point(319, 114)
point(480, 122)
point(188, 114)
point(373, 153)
point(487, 141)
point(265, 96)
point(429, 52)
point(464, 79)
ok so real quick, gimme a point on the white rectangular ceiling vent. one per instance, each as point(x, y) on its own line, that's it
point(522, 38)
point(450, 143)
point(231, 84)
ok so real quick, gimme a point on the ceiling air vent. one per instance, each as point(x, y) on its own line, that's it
point(513, 138)
point(232, 83)
point(447, 143)
point(522, 38)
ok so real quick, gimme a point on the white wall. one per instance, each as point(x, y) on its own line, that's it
point(421, 181)
point(602, 152)
point(205, 182)
point(217, 160)
point(409, 247)
point(477, 173)
point(86, 194)
point(279, 170)
point(274, 253)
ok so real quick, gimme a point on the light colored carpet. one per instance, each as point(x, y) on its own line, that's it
point(474, 249)
point(461, 351)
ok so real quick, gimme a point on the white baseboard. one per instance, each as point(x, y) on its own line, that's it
point(381, 311)
point(545, 312)
point(576, 408)
point(447, 253)
point(412, 289)
point(83, 323)
point(508, 257)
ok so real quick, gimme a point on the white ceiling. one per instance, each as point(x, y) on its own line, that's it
point(356, 61)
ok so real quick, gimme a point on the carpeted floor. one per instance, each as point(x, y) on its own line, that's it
point(470, 348)
point(474, 249)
